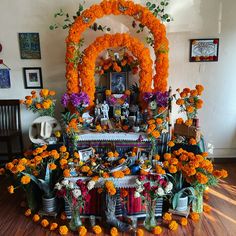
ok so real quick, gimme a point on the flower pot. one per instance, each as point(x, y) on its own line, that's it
point(75, 221)
point(49, 204)
point(150, 220)
point(182, 204)
point(197, 204)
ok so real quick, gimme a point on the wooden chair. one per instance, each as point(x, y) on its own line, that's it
point(10, 125)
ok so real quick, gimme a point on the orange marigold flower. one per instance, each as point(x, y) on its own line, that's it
point(156, 134)
point(44, 92)
point(44, 223)
point(173, 225)
point(63, 230)
point(194, 216)
point(157, 157)
point(110, 154)
point(66, 173)
point(82, 231)
point(193, 93)
point(206, 209)
point(157, 230)
point(167, 156)
point(28, 212)
point(116, 154)
point(190, 109)
point(52, 166)
point(36, 218)
point(183, 95)
point(97, 229)
point(188, 122)
point(192, 141)
point(53, 226)
point(25, 179)
point(171, 144)
point(100, 190)
point(159, 121)
point(63, 149)
point(105, 175)
point(2, 171)
point(108, 92)
point(63, 216)
point(11, 189)
point(167, 216)
point(52, 93)
point(85, 169)
point(140, 232)
point(150, 122)
point(183, 221)
point(180, 102)
point(98, 128)
point(179, 121)
point(114, 231)
point(172, 169)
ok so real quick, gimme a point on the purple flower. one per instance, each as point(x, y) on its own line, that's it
point(147, 96)
point(162, 98)
point(78, 99)
point(65, 99)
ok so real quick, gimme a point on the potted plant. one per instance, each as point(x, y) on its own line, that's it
point(181, 196)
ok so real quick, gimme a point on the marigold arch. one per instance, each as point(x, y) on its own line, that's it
point(117, 7)
point(87, 67)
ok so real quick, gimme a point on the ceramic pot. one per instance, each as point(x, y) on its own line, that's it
point(49, 204)
point(182, 204)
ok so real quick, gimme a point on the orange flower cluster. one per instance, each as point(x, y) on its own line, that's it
point(155, 127)
point(97, 229)
point(196, 169)
point(127, 60)
point(42, 103)
point(87, 66)
point(173, 225)
point(107, 7)
point(190, 102)
point(110, 187)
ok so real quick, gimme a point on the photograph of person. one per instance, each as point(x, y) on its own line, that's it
point(118, 82)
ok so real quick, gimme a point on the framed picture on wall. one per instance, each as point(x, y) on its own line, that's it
point(33, 77)
point(204, 50)
point(5, 78)
point(29, 46)
point(118, 82)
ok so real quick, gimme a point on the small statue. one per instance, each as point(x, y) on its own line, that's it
point(125, 108)
point(105, 110)
point(97, 109)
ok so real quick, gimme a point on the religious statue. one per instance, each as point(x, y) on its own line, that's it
point(125, 108)
point(105, 110)
point(97, 109)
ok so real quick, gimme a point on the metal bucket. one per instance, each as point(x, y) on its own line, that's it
point(49, 204)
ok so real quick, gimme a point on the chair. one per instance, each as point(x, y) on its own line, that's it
point(10, 125)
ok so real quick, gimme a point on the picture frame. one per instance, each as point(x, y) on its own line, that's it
point(204, 50)
point(29, 44)
point(85, 154)
point(33, 77)
point(5, 81)
point(118, 82)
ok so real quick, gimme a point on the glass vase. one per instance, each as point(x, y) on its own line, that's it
point(197, 204)
point(150, 220)
point(75, 221)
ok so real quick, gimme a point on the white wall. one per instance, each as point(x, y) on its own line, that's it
point(192, 19)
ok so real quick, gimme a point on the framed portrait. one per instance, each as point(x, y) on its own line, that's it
point(5, 78)
point(29, 46)
point(118, 82)
point(33, 77)
point(85, 154)
point(143, 155)
point(204, 50)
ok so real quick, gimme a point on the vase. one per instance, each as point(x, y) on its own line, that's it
point(197, 204)
point(75, 221)
point(49, 204)
point(150, 220)
point(182, 204)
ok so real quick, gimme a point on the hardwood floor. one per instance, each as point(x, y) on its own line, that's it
point(220, 222)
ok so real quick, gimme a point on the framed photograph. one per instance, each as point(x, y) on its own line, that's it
point(5, 78)
point(29, 46)
point(118, 82)
point(85, 154)
point(33, 77)
point(143, 155)
point(204, 50)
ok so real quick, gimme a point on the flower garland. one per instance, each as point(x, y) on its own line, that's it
point(87, 66)
point(116, 7)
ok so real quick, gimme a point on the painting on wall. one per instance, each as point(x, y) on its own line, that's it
point(29, 46)
point(33, 77)
point(204, 50)
point(5, 78)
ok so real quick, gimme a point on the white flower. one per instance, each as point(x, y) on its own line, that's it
point(65, 182)
point(71, 185)
point(138, 182)
point(169, 187)
point(139, 189)
point(76, 193)
point(136, 194)
point(58, 186)
point(91, 184)
point(160, 191)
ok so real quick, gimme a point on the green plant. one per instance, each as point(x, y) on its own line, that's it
point(179, 190)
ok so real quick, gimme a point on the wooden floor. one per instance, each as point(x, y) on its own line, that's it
point(220, 222)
